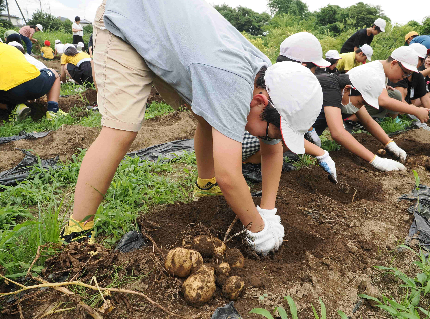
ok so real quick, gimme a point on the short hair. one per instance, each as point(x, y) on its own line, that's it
point(390, 59)
point(259, 79)
point(332, 61)
point(71, 51)
point(358, 51)
point(77, 19)
point(271, 115)
point(376, 27)
point(282, 58)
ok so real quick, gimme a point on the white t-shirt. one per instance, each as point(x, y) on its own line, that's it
point(35, 62)
point(60, 48)
point(78, 27)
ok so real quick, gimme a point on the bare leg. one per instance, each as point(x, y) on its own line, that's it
point(98, 168)
point(203, 147)
point(54, 93)
point(254, 158)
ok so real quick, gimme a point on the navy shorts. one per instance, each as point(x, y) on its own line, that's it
point(29, 90)
point(81, 74)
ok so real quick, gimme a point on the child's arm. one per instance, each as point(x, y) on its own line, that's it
point(372, 126)
point(402, 107)
point(343, 137)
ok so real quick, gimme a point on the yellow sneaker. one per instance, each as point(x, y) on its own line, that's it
point(206, 187)
point(21, 112)
point(78, 231)
point(52, 115)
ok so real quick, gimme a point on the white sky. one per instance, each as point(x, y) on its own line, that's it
point(399, 13)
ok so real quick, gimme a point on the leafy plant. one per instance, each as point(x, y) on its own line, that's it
point(282, 313)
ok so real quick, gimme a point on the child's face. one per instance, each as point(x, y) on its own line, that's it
point(427, 62)
point(360, 57)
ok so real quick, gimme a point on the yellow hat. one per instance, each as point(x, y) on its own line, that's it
point(410, 34)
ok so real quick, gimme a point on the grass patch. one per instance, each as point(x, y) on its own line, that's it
point(33, 212)
point(157, 109)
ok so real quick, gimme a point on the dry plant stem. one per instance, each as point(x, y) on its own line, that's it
point(353, 196)
point(21, 316)
point(82, 267)
point(34, 261)
point(229, 229)
point(56, 311)
point(78, 283)
point(97, 285)
point(237, 234)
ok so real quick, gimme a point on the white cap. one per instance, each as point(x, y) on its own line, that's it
point(16, 44)
point(57, 41)
point(369, 81)
point(367, 50)
point(332, 54)
point(303, 47)
point(420, 49)
point(80, 44)
point(381, 23)
point(68, 45)
point(40, 27)
point(407, 56)
point(297, 95)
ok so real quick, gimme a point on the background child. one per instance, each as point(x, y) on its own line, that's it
point(47, 52)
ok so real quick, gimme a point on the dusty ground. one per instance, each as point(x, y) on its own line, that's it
point(334, 235)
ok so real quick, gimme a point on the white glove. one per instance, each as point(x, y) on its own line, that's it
point(328, 164)
point(396, 151)
point(386, 164)
point(266, 240)
point(270, 215)
point(313, 137)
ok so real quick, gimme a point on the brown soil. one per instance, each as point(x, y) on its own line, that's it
point(334, 235)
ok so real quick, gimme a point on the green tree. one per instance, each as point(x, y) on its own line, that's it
point(47, 20)
point(293, 7)
point(67, 26)
point(328, 15)
point(244, 19)
point(425, 29)
point(362, 15)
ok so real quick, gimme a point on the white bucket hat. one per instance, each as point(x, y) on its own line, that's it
point(297, 95)
point(303, 47)
point(369, 81)
point(332, 54)
point(39, 26)
point(420, 49)
point(367, 50)
point(57, 41)
point(407, 56)
point(381, 23)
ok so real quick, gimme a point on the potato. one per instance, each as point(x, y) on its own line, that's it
point(199, 287)
point(208, 246)
point(180, 261)
point(233, 287)
point(381, 152)
point(235, 258)
point(222, 269)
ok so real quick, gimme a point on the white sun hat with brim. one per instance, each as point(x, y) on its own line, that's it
point(381, 23)
point(369, 81)
point(39, 26)
point(332, 54)
point(420, 49)
point(68, 45)
point(297, 95)
point(367, 50)
point(407, 56)
point(80, 44)
point(57, 41)
point(303, 47)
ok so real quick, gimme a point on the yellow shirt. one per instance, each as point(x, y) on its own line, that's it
point(74, 59)
point(14, 68)
point(48, 53)
point(347, 62)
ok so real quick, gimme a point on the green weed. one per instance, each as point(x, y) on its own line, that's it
point(157, 109)
point(391, 125)
point(282, 313)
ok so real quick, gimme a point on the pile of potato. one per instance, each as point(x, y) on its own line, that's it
point(202, 279)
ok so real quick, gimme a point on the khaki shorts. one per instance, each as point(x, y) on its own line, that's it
point(381, 112)
point(124, 80)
